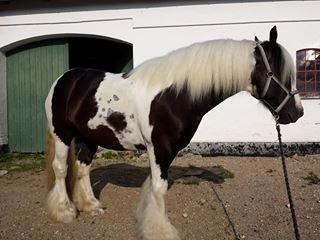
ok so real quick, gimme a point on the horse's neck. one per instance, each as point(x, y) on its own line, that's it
point(205, 103)
point(208, 102)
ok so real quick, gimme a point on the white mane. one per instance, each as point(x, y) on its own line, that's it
point(223, 66)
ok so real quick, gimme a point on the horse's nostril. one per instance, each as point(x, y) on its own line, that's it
point(301, 113)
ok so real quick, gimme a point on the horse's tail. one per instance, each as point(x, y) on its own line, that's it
point(72, 169)
point(71, 172)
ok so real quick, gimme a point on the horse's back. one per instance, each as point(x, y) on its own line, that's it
point(79, 79)
point(97, 105)
point(65, 95)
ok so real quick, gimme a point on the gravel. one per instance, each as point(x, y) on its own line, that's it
point(251, 205)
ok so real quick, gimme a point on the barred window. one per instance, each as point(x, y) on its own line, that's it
point(308, 72)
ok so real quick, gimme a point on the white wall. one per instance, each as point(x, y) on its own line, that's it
point(242, 118)
point(115, 28)
point(155, 31)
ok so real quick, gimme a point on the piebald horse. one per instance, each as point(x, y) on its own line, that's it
point(156, 107)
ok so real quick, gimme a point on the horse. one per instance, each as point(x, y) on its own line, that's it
point(156, 107)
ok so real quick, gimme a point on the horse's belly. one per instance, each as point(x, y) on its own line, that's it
point(115, 129)
point(106, 137)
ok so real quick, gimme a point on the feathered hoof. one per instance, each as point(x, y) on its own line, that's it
point(165, 231)
point(67, 214)
point(97, 211)
point(92, 206)
point(61, 211)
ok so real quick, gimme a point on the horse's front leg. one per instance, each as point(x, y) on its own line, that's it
point(151, 214)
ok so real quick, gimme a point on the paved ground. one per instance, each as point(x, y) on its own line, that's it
point(200, 203)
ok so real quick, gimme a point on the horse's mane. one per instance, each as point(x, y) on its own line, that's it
point(223, 66)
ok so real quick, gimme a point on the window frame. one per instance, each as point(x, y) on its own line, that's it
point(315, 93)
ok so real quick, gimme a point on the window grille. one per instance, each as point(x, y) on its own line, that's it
point(308, 72)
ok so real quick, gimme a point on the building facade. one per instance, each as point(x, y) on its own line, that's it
point(145, 30)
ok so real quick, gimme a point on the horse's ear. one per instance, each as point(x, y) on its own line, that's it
point(273, 35)
point(256, 39)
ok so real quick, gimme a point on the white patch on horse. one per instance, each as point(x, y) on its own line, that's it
point(115, 94)
point(297, 98)
point(48, 104)
point(153, 222)
point(59, 205)
point(298, 102)
point(289, 72)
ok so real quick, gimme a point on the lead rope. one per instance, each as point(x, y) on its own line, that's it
point(285, 173)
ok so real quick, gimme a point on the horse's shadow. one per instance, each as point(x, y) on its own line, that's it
point(126, 175)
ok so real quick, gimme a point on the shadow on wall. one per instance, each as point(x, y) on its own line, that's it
point(8, 7)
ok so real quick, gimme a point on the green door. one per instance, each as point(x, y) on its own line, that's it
point(31, 69)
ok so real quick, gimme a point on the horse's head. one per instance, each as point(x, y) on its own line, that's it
point(274, 81)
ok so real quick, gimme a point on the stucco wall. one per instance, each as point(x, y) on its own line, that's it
point(157, 30)
point(243, 119)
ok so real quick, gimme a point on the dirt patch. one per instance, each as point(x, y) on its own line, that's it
point(209, 198)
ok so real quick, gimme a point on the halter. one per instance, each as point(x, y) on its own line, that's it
point(275, 113)
point(271, 76)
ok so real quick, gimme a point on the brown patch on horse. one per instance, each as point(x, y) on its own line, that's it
point(74, 104)
point(175, 118)
point(103, 136)
point(117, 120)
point(115, 97)
point(140, 147)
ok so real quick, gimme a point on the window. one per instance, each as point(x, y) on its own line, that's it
point(308, 72)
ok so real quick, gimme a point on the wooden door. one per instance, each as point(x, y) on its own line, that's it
point(31, 70)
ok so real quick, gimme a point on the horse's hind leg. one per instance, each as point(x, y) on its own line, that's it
point(59, 205)
point(83, 196)
point(151, 214)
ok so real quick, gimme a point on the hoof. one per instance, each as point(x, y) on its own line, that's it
point(92, 206)
point(61, 211)
point(67, 215)
point(163, 231)
point(97, 211)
